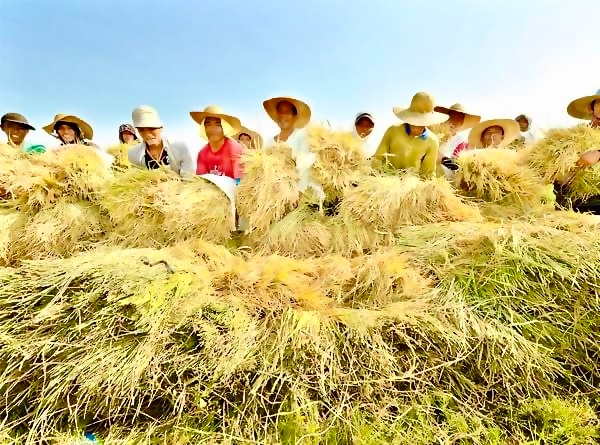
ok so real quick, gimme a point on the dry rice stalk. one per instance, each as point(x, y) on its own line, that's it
point(554, 158)
point(269, 189)
point(499, 175)
point(156, 207)
point(340, 160)
point(120, 153)
point(443, 131)
point(11, 222)
point(386, 203)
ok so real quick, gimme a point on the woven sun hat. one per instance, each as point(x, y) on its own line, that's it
point(511, 132)
point(421, 111)
point(231, 124)
point(470, 119)
point(86, 129)
point(17, 119)
point(582, 108)
point(304, 113)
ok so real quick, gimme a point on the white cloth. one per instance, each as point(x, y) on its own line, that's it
point(228, 186)
point(181, 160)
point(365, 142)
point(529, 135)
point(305, 159)
point(448, 148)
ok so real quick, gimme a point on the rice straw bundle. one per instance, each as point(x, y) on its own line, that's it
point(302, 233)
point(555, 156)
point(443, 131)
point(340, 160)
point(120, 153)
point(269, 188)
point(11, 221)
point(59, 231)
point(156, 207)
point(386, 203)
point(499, 175)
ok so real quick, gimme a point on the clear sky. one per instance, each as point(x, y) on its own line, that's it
point(101, 58)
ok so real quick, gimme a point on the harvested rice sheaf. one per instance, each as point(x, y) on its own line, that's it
point(340, 160)
point(120, 153)
point(269, 189)
point(555, 156)
point(157, 207)
point(386, 203)
point(499, 175)
point(443, 131)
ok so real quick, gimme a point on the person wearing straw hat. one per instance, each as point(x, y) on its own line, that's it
point(155, 150)
point(127, 134)
point(363, 130)
point(292, 116)
point(248, 138)
point(587, 108)
point(495, 133)
point(16, 127)
point(70, 129)
point(221, 156)
point(411, 145)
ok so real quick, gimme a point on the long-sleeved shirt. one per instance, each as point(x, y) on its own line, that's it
point(403, 151)
point(223, 162)
point(180, 158)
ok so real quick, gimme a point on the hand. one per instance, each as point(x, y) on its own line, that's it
point(588, 159)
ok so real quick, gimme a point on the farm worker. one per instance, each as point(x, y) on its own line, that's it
point(528, 135)
point(127, 134)
point(248, 138)
point(155, 150)
point(411, 145)
point(16, 127)
point(292, 116)
point(221, 156)
point(496, 133)
point(460, 122)
point(70, 129)
point(588, 108)
point(362, 131)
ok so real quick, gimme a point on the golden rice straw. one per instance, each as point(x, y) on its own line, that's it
point(156, 207)
point(443, 131)
point(386, 203)
point(59, 231)
point(120, 153)
point(555, 156)
point(498, 174)
point(11, 222)
point(269, 188)
point(340, 160)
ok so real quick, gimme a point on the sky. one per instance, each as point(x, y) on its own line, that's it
point(99, 59)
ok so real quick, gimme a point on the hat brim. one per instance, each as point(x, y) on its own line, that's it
point(580, 108)
point(304, 112)
point(469, 121)
point(231, 124)
point(15, 121)
point(420, 119)
point(86, 129)
point(511, 132)
point(257, 141)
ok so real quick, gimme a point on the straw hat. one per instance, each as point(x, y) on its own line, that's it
point(511, 132)
point(86, 129)
point(581, 108)
point(421, 111)
point(303, 109)
point(231, 125)
point(257, 141)
point(145, 116)
point(470, 119)
point(16, 118)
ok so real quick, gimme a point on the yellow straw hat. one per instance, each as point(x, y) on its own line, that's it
point(582, 108)
point(303, 109)
point(470, 119)
point(231, 124)
point(256, 142)
point(421, 111)
point(511, 132)
point(86, 129)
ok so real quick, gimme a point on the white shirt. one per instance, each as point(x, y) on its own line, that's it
point(447, 150)
point(181, 160)
point(367, 146)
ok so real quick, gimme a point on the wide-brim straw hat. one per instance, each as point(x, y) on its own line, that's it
point(231, 124)
point(86, 129)
point(421, 111)
point(581, 108)
point(304, 113)
point(257, 140)
point(17, 119)
point(470, 119)
point(511, 132)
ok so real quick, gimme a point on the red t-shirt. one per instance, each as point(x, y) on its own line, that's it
point(224, 162)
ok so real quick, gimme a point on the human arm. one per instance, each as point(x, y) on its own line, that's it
point(428, 161)
point(236, 160)
point(383, 148)
point(588, 159)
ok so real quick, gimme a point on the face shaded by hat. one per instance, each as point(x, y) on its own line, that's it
point(214, 117)
point(61, 125)
point(459, 118)
point(494, 133)
point(249, 138)
point(16, 127)
point(126, 128)
point(288, 112)
point(585, 107)
point(364, 124)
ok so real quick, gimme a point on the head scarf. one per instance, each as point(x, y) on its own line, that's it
point(126, 128)
point(527, 118)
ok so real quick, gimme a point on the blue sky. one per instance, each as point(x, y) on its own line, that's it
point(101, 58)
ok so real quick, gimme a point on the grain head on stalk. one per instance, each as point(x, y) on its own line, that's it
point(121, 154)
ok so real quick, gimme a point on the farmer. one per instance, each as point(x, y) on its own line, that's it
point(16, 127)
point(248, 138)
point(496, 133)
point(363, 129)
point(587, 108)
point(127, 134)
point(221, 156)
point(292, 116)
point(155, 150)
point(70, 129)
point(411, 145)
point(527, 133)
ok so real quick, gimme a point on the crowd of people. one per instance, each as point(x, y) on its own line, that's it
point(410, 144)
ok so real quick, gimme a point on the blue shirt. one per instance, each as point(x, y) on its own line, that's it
point(423, 136)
